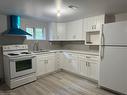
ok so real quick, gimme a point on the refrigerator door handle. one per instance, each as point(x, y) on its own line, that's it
point(102, 52)
point(102, 44)
point(102, 36)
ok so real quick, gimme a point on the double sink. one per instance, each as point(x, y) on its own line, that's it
point(40, 51)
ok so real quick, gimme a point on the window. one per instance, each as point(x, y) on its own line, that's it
point(40, 34)
point(37, 33)
point(30, 31)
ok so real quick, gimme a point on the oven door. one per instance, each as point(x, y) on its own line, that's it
point(22, 66)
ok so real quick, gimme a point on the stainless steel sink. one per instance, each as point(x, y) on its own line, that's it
point(40, 51)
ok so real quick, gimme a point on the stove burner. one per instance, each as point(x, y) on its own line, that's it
point(25, 52)
point(13, 54)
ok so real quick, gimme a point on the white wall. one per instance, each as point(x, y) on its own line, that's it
point(3, 27)
point(121, 17)
point(25, 22)
point(3, 23)
point(43, 44)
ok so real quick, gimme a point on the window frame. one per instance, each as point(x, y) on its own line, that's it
point(34, 34)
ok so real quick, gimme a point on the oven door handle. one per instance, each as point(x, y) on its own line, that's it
point(22, 58)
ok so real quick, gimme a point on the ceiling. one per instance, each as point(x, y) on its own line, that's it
point(46, 9)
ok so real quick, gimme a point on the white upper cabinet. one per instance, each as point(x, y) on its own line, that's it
point(57, 31)
point(94, 23)
point(61, 31)
point(79, 29)
point(66, 31)
point(93, 27)
point(52, 31)
point(75, 30)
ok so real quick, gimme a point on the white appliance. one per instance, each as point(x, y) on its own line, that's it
point(19, 65)
point(113, 66)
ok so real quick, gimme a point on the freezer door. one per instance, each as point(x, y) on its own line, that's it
point(115, 33)
point(113, 69)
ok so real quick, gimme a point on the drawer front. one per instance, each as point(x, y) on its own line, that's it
point(42, 57)
point(90, 58)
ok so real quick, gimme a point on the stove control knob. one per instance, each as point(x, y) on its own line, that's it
point(23, 47)
point(7, 47)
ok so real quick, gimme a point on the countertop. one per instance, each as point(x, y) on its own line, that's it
point(73, 51)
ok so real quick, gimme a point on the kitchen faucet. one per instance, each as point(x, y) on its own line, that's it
point(36, 46)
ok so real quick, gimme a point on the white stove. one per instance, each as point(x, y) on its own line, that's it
point(19, 65)
point(16, 50)
point(17, 54)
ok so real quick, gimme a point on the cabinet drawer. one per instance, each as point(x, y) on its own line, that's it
point(42, 57)
point(90, 58)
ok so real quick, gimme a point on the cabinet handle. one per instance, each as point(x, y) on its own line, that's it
point(45, 61)
point(74, 36)
point(86, 64)
point(93, 26)
point(88, 57)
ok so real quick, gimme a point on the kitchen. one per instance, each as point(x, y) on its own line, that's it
point(67, 48)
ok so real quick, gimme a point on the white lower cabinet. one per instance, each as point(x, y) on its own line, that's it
point(40, 65)
point(50, 65)
point(82, 67)
point(92, 70)
point(45, 63)
point(70, 62)
point(60, 60)
point(81, 64)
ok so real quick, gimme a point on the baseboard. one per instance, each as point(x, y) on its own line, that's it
point(89, 79)
point(115, 92)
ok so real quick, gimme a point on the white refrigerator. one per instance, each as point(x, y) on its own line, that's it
point(113, 66)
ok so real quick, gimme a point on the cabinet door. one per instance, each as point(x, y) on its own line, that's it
point(74, 63)
point(50, 65)
point(62, 60)
point(94, 23)
point(67, 61)
point(41, 67)
point(82, 67)
point(61, 28)
point(52, 31)
point(74, 30)
point(100, 20)
point(93, 70)
point(58, 61)
point(61, 31)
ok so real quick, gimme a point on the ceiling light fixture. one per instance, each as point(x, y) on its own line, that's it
point(58, 13)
